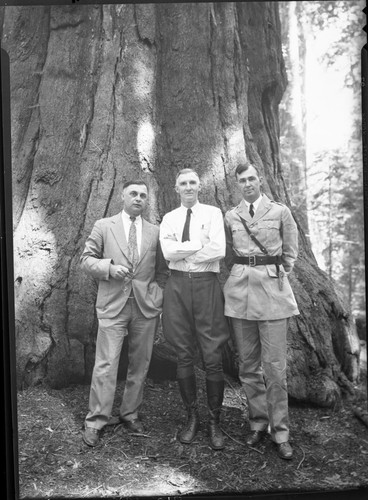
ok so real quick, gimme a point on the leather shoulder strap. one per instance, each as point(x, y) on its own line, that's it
point(252, 237)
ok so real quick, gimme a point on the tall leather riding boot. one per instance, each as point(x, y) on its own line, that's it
point(215, 396)
point(188, 391)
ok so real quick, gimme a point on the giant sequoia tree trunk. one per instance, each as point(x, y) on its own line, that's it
point(101, 94)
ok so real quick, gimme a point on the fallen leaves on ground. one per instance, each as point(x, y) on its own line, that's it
point(330, 448)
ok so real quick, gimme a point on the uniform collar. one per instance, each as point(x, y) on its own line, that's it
point(255, 203)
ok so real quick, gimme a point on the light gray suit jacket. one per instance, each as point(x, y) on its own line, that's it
point(107, 244)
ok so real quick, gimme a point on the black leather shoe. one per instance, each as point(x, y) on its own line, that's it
point(216, 436)
point(190, 430)
point(255, 437)
point(215, 396)
point(135, 425)
point(284, 450)
point(91, 436)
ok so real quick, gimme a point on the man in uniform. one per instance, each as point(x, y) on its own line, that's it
point(193, 241)
point(123, 254)
point(261, 248)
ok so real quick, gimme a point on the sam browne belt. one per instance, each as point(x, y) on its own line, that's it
point(260, 260)
point(257, 260)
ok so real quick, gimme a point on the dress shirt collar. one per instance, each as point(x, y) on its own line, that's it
point(126, 217)
point(194, 208)
point(255, 203)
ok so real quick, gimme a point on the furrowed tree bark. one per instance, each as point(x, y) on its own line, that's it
point(102, 94)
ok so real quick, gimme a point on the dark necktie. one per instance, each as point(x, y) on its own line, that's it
point(251, 210)
point(132, 243)
point(185, 236)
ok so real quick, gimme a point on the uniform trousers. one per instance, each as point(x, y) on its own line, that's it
point(193, 311)
point(261, 347)
point(140, 333)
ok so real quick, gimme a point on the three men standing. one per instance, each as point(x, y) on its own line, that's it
point(261, 248)
point(193, 241)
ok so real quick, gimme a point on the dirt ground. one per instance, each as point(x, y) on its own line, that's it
point(330, 445)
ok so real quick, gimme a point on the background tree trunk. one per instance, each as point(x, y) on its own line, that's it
point(101, 94)
point(293, 112)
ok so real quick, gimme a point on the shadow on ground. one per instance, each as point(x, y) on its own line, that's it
point(331, 448)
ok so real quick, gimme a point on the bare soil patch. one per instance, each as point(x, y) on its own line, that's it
point(330, 445)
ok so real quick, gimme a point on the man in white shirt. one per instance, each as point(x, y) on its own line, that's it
point(193, 241)
point(123, 254)
point(261, 248)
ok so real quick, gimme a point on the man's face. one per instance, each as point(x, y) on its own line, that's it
point(250, 184)
point(188, 187)
point(134, 199)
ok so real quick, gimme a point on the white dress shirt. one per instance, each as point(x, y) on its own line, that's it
point(207, 239)
point(138, 222)
point(255, 203)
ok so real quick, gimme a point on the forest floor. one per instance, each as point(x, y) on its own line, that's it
point(330, 448)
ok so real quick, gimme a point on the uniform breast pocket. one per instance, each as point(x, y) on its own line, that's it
point(268, 230)
point(240, 237)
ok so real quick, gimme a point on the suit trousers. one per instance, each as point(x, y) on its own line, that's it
point(193, 313)
point(261, 347)
point(140, 333)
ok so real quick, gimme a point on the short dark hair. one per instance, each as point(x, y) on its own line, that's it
point(186, 171)
point(242, 167)
point(140, 182)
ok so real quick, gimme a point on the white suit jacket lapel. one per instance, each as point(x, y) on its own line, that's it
point(146, 239)
point(117, 229)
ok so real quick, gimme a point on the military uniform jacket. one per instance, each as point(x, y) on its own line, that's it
point(253, 293)
point(108, 244)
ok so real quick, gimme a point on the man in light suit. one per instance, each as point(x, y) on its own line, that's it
point(123, 253)
point(261, 248)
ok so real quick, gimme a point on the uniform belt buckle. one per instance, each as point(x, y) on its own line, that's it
point(252, 260)
point(189, 274)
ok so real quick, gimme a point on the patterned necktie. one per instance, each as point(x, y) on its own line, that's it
point(132, 243)
point(251, 210)
point(185, 236)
